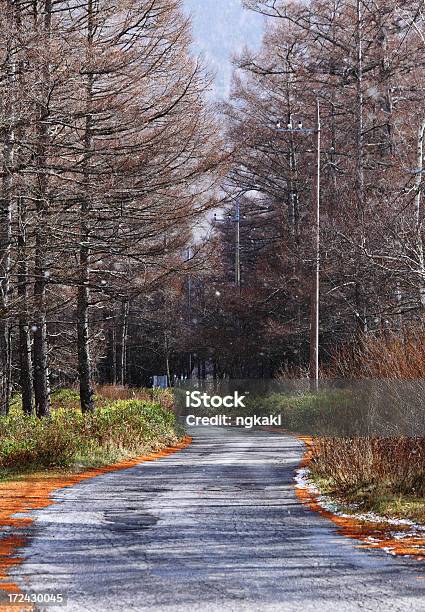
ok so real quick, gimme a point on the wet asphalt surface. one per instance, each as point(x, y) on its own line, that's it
point(214, 527)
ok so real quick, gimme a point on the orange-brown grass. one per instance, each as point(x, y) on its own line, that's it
point(117, 392)
point(399, 356)
point(371, 466)
point(381, 472)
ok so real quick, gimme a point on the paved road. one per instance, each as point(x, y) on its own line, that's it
point(215, 527)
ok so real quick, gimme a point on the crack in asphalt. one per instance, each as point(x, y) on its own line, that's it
point(215, 527)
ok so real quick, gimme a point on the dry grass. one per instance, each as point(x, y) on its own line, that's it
point(119, 392)
point(396, 465)
point(388, 356)
point(163, 397)
point(384, 474)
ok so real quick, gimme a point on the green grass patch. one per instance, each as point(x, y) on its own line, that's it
point(308, 413)
point(377, 499)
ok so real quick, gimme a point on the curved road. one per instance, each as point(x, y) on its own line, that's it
point(214, 527)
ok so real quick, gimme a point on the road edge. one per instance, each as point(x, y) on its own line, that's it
point(34, 493)
point(375, 534)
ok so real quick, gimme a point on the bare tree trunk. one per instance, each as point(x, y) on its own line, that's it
point(359, 118)
point(6, 222)
point(293, 196)
point(385, 78)
point(5, 238)
point(315, 295)
point(418, 213)
point(25, 360)
point(121, 346)
point(360, 186)
point(167, 359)
point(124, 339)
point(84, 363)
point(41, 368)
point(114, 354)
point(333, 159)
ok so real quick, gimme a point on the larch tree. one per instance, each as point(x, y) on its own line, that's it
point(110, 159)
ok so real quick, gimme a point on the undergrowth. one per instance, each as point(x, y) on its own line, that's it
point(117, 429)
point(384, 475)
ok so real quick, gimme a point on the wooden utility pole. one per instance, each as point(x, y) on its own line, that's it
point(315, 305)
point(315, 288)
point(238, 247)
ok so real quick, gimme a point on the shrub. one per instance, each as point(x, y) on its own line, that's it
point(371, 465)
point(390, 355)
point(120, 429)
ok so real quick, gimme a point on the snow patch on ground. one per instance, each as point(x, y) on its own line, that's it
point(303, 481)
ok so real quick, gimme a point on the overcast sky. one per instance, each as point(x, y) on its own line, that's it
point(222, 28)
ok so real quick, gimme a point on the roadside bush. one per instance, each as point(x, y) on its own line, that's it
point(367, 442)
point(371, 467)
point(28, 440)
point(121, 429)
point(382, 474)
point(130, 424)
point(390, 356)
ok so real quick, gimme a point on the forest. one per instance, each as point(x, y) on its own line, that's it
point(212, 305)
point(145, 231)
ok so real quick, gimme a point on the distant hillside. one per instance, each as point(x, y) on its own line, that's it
point(222, 28)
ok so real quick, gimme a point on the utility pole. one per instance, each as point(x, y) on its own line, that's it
point(315, 297)
point(189, 304)
point(315, 294)
point(238, 246)
point(235, 218)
